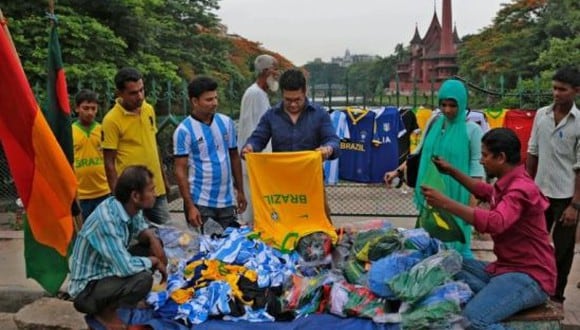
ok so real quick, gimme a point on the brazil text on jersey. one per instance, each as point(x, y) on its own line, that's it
point(84, 162)
point(285, 199)
point(352, 146)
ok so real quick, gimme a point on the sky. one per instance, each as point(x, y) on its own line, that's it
point(302, 30)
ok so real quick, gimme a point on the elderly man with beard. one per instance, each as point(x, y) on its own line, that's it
point(255, 102)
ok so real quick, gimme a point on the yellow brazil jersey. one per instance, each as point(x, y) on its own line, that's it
point(414, 140)
point(132, 135)
point(495, 117)
point(423, 114)
point(287, 196)
point(88, 164)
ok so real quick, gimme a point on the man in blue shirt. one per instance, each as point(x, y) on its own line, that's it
point(104, 274)
point(295, 124)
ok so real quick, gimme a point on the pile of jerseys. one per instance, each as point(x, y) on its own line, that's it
point(392, 276)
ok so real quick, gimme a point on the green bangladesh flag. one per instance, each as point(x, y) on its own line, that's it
point(43, 263)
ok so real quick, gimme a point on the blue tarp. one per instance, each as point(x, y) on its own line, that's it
point(314, 321)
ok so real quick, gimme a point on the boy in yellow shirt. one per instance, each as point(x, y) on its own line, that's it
point(88, 153)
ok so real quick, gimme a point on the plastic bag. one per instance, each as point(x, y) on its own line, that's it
point(178, 244)
point(418, 239)
point(375, 244)
point(413, 285)
point(385, 269)
point(437, 222)
point(355, 300)
point(354, 271)
point(440, 308)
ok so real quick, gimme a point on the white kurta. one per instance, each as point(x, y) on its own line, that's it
point(254, 104)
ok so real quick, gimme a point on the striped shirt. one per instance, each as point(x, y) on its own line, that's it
point(207, 148)
point(558, 151)
point(338, 119)
point(100, 248)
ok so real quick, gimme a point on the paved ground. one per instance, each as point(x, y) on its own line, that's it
point(16, 290)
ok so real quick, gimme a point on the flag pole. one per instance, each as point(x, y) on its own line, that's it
point(76, 207)
point(4, 24)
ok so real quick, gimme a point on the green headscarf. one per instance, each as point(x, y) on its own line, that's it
point(448, 139)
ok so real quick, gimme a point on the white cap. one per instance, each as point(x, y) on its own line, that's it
point(264, 62)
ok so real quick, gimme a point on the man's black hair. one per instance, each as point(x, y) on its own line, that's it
point(292, 80)
point(568, 75)
point(201, 85)
point(133, 178)
point(86, 95)
point(504, 140)
point(126, 75)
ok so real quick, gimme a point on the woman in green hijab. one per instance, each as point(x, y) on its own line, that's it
point(456, 140)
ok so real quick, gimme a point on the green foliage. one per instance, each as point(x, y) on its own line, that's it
point(167, 40)
point(527, 39)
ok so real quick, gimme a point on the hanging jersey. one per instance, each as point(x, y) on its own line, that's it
point(283, 210)
point(521, 122)
point(495, 117)
point(338, 119)
point(408, 139)
point(355, 158)
point(207, 147)
point(88, 161)
point(479, 118)
point(389, 128)
point(423, 114)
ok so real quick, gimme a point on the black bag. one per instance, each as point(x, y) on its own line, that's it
point(413, 161)
point(412, 168)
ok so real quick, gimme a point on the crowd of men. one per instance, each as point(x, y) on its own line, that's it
point(122, 187)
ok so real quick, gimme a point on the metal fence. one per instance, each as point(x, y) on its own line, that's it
point(172, 105)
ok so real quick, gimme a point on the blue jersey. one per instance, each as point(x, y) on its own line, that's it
point(338, 119)
point(389, 128)
point(207, 147)
point(355, 158)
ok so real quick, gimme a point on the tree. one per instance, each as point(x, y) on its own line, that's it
point(167, 40)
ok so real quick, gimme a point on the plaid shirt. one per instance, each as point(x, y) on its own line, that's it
point(100, 248)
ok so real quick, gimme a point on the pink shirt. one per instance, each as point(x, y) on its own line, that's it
point(517, 225)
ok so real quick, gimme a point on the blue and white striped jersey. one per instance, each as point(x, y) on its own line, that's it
point(338, 119)
point(207, 147)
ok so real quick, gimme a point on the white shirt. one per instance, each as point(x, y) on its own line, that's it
point(254, 104)
point(558, 151)
point(478, 118)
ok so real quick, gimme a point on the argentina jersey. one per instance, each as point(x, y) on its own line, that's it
point(355, 158)
point(207, 148)
point(338, 119)
point(389, 128)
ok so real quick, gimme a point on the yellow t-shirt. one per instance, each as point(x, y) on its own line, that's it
point(495, 117)
point(133, 137)
point(414, 140)
point(89, 165)
point(423, 114)
point(288, 196)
